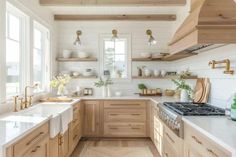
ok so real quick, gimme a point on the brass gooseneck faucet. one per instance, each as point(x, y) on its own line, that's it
point(25, 101)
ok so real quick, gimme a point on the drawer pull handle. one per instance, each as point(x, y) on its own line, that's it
point(75, 137)
point(124, 104)
point(33, 139)
point(35, 150)
point(212, 152)
point(135, 114)
point(196, 140)
point(170, 138)
point(113, 128)
point(135, 128)
point(114, 114)
point(166, 155)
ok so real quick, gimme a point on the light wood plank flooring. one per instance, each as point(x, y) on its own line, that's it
point(115, 148)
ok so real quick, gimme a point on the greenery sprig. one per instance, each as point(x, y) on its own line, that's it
point(102, 82)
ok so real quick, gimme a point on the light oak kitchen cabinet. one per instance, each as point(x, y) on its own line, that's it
point(125, 118)
point(75, 127)
point(156, 128)
point(199, 145)
point(36, 144)
point(91, 126)
point(172, 144)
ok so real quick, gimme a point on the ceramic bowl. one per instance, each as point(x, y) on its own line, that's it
point(66, 54)
point(75, 74)
point(145, 55)
point(118, 94)
point(83, 54)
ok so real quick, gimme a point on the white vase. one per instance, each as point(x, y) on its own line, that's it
point(104, 91)
point(108, 91)
point(184, 97)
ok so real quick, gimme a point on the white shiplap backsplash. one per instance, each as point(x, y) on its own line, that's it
point(222, 85)
point(91, 31)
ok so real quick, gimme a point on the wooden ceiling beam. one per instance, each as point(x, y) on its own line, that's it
point(113, 2)
point(153, 17)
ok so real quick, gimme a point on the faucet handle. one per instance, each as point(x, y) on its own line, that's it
point(30, 99)
point(22, 105)
point(15, 102)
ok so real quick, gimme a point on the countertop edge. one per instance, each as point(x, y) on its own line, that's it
point(210, 136)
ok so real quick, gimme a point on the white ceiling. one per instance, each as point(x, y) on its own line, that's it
point(114, 10)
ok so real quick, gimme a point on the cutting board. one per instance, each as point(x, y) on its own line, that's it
point(202, 90)
point(207, 86)
point(56, 99)
point(199, 90)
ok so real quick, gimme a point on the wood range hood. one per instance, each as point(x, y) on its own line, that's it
point(210, 24)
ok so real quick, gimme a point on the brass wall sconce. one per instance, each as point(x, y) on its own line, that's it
point(151, 40)
point(114, 35)
point(77, 40)
point(227, 67)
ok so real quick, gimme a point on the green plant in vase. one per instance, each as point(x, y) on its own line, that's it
point(142, 87)
point(105, 85)
point(186, 90)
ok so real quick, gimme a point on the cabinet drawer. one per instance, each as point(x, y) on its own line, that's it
point(125, 129)
point(30, 140)
point(125, 115)
point(173, 145)
point(74, 136)
point(124, 104)
point(203, 144)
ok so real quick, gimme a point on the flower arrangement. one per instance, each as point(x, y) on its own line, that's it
point(60, 82)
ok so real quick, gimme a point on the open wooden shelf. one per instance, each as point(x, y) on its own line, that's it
point(146, 59)
point(91, 59)
point(166, 77)
point(85, 77)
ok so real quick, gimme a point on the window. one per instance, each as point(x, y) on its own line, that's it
point(14, 50)
point(115, 56)
point(40, 58)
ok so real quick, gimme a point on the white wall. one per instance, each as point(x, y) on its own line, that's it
point(36, 12)
point(162, 31)
point(222, 86)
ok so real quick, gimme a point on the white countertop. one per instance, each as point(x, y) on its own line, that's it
point(13, 130)
point(219, 129)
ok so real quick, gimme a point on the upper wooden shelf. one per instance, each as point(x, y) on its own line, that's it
point(166, 77)
point(146, 59)
point(77, 59)
point(85, 77)
point(112, 2)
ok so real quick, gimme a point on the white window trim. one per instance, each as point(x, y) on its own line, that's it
point(46, 56)
point(24, 19)
point(129, 63)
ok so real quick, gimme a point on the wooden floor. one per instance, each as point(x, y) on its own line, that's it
point(115, 148)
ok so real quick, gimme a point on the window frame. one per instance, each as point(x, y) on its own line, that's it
point(128, 51)
point(24, 20)
point(27, 47)
point(46, 48)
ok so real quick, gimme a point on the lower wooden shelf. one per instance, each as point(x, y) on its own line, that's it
point(166, 77)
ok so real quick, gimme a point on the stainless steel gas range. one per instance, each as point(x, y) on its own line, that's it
point(171, 114)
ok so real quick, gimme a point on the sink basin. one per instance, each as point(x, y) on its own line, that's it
point(61, 116)
point(19, 118)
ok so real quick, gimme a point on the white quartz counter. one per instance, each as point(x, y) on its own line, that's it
point(219, 129)
point(16, 127)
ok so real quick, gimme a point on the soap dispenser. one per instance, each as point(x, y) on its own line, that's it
point(233, 109)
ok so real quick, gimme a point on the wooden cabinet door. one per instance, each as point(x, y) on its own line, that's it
point(191, 152)
point(91, 118)
point(64, 144)
point(169, 150)
point(39, 150)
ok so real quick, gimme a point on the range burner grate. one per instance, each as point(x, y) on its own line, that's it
point(191, 109)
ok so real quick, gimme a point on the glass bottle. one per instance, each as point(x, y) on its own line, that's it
point(233, 109)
